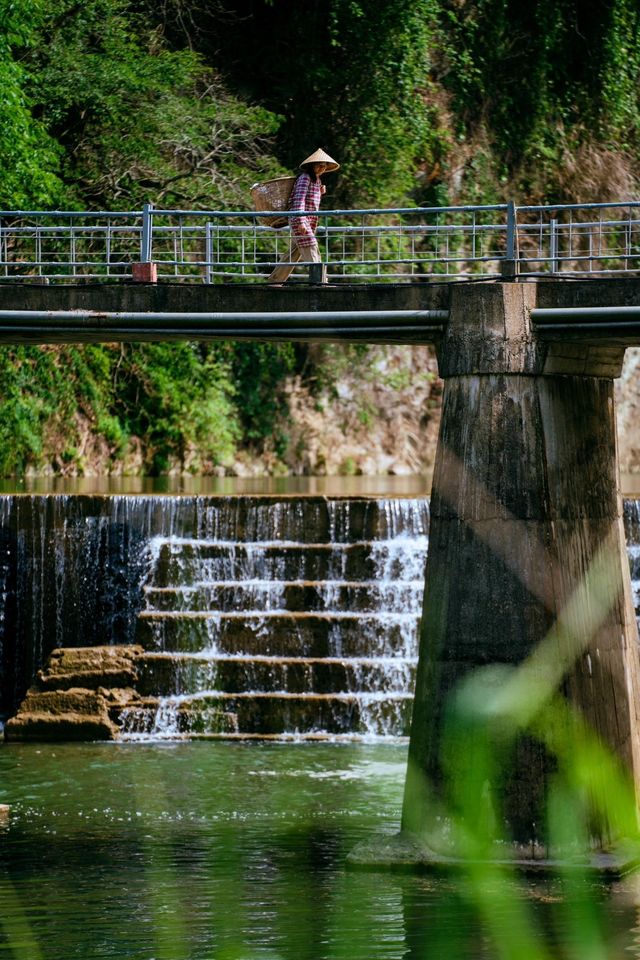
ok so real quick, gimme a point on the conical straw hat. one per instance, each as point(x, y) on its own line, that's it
point(321, 157)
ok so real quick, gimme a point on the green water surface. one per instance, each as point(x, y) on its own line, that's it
point(235, 851)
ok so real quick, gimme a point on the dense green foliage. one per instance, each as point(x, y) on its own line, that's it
point(440, 100)
point(108, 104)
point(137, 120)
point(103, 114)
point(29, 156)
point(178, 397)
point(349, 74)
point(537, 86)
point(258, 371)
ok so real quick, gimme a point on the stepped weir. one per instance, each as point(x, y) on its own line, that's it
point(295, 617)
point(255, 616)
point(258, 616)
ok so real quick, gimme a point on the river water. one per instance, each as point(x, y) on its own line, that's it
point(235, 851)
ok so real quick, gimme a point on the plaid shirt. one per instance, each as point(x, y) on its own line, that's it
point(305, 195)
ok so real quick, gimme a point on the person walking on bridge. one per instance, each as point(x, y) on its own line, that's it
point(306, 194)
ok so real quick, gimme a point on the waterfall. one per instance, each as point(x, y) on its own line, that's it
point(294, 618)
point(71, 571)
point(277, 615)
point(272, 615)
point(632, 535)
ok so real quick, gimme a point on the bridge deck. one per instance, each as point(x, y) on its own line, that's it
point(373, 313)
point(393, 313)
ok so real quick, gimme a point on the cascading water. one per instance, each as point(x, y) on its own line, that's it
point(294, 618)
point(632, 534)
point(71, 571)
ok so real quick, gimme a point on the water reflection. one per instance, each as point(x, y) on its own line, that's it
point(197, 850)
point(416, 485)
point(384, 486)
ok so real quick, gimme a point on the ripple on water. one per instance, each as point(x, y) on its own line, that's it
point(211, 850)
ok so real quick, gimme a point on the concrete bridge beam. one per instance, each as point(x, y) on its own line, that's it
point(525, 512)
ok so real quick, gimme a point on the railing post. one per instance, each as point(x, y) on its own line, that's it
point(147, 233)
point(317, 273)
point(208, 252)
point(509, 267)
point(145, 271)
point(553, 243)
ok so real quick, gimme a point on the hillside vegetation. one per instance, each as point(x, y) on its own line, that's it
point(106, 104)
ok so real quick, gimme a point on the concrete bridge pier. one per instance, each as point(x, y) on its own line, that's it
point(527, 578)
point(527, 562)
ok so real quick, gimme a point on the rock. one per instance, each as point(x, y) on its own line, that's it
point(60, 727)
point(379, 416)
point(79, 695)
point(119, 700)
point(90, 668)
point(400, 852)
point(75, 714)
point(120, 696)
point(57, 702)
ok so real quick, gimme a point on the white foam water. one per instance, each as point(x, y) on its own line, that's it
point(358, 583)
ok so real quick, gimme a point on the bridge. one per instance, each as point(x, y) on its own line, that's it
point(530, 311)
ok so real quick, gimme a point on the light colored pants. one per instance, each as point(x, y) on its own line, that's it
point(293, 255)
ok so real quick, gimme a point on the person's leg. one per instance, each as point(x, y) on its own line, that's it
point(311, 254)
point(281, 273)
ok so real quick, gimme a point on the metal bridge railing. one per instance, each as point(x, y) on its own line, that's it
point(371, 245)
point(599, 238)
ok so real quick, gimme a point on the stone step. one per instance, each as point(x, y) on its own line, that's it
point(166, 674)
point(295, 517)
point(162, 718)
point(274, 713)
point(74, 714)
point(60, 727)
point(280, 634)
point(90, 668)
point(363, 596)
point(296, 737)
point(198, 561)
